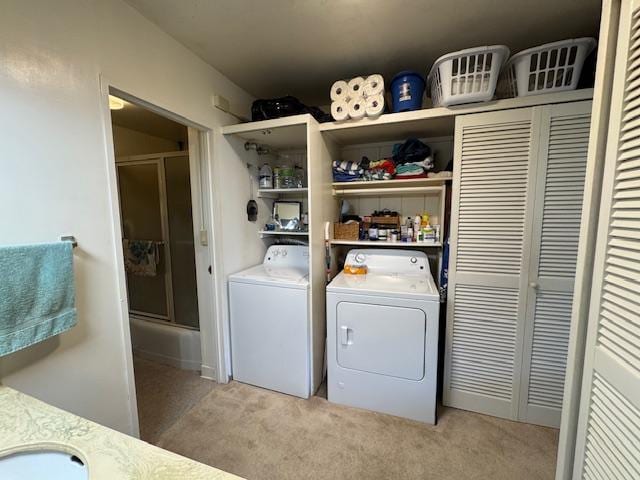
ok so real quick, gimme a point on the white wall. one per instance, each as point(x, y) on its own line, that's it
point(131, 142)
point(54, 173)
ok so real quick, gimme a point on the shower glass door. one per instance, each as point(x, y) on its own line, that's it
point(141, 192)
point(183, 259)
point(155, 205)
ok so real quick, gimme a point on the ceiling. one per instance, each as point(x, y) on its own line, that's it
point(142, 120)
point(273, 48)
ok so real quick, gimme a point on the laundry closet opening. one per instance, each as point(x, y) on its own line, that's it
point(156, 194)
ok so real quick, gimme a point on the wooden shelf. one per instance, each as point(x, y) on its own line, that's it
point(369, 243)
point(433, 122)
point(398, 182)
point(413, 186)
point(279, 192)
point(267, 233)
point(379, 192)
point(291, 132)
point(280, 133)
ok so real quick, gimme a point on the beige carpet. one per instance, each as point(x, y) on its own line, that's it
point(263, 435)
point(164, 395)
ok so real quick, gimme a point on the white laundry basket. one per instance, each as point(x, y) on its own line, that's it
point(466, 76)
point(552, 67)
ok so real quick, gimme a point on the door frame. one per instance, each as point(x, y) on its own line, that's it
point(207, 218)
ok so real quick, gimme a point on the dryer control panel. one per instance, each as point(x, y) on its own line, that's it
point(390, 261)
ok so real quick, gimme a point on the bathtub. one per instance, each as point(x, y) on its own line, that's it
point(175, 346)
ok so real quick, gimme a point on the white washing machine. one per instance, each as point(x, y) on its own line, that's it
point(382, 335)
point(270, 330)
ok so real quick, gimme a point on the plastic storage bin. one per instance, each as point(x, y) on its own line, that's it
point(553, 67)
point(407, 89)
point(466, 76)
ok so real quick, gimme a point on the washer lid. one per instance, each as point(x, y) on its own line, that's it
point(417, 287)
point(290, 277)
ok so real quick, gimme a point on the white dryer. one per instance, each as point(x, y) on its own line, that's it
point(271, 335)
point(382, 335)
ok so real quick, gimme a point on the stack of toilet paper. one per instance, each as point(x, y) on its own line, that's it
point(357, 98)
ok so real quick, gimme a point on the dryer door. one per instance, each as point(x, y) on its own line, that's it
point(382, 339)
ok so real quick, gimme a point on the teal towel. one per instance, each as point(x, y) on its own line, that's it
point(37, 293)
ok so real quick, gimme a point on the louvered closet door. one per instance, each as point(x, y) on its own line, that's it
point(493, 175)
point(608, 438)
point(562, 162)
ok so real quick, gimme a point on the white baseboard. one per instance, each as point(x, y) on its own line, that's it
point(210, 373)
point(180, 363)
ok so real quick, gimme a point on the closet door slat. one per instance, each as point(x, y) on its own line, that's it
point(608, 433)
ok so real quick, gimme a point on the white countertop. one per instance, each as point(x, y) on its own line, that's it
point(29, 424)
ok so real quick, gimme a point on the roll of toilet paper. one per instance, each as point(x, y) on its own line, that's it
point(355, 87)
point(339, 91)
point(339, 110)
point(374, 105)
point(357, 107)
point(373, 85)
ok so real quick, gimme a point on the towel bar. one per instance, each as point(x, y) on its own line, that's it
point(69, 238)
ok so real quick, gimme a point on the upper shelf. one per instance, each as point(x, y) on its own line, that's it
point(390, 187)
point(269, 233)
point(433, 122)
point(280, 133)
point(278, 192)
point(383, 243)
point(291, 132)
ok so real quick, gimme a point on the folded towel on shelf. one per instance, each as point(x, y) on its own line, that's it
point(141, 257)
point(409, 169)
point(384, 165)
point(37, 294)
point(349, 171)
point(348, 167)
point(372, 175)
point(344, 177)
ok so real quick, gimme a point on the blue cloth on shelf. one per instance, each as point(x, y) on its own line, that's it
point(348, 170)
point(349, 167)
point(37, 294)
point(345, 177)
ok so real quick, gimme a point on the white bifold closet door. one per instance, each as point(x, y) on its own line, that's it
point(493, 172)
point(608, 435)
point(561, 170)
point(518, 186)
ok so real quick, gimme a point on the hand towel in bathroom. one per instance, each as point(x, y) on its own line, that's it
point(141, 257)
point(37, 293)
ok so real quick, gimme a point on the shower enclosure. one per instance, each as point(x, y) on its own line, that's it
point(156, 214)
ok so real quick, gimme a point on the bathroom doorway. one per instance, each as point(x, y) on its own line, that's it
point(164, 236)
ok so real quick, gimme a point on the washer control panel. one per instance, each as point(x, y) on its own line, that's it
point(287, 256)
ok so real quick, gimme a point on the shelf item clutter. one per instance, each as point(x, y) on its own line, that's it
point(387, 226)
point(357, 98)
point(411, 159)
point(468, 76)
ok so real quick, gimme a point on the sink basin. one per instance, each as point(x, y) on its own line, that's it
point(42, 465)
